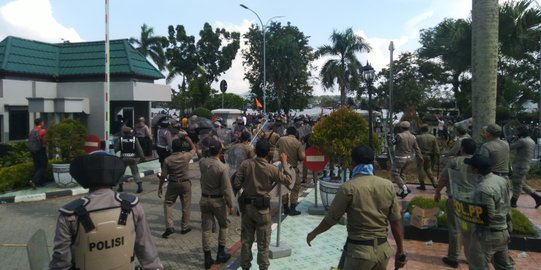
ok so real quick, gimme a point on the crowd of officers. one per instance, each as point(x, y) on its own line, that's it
point(490, 164)
point(370, 202)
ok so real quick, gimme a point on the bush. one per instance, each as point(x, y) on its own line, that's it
point(202, 112)
point(15, 153)
point(18, 175)
point(66, 140)
point(521, 224)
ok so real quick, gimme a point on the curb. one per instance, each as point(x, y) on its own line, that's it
point(61, 193)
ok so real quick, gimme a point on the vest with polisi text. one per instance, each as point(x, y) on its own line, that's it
point(127, 146)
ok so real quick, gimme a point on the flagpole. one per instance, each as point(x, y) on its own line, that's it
point(107, 77)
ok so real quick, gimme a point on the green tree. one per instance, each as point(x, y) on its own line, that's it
point(344, 70)
point(288, 68)
point(199, 63)
point(151, 46)
point(230, 101)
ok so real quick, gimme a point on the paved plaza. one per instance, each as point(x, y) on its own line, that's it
point(20, 220)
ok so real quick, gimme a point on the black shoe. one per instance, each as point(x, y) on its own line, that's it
point(208, 260)
point(421, 188)
point(537, 199)
point(293, 211)
point(139, 188)
point(286, 209)
point(449, 262)
point(513, 203)
point(168, 232)
point(120, 188)
point(222, 256)
point(186, 231)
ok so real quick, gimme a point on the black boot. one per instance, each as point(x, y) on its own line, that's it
point(222, 256)
point(293, 211)
point(139, 187)
point(421, 186)
point(208, 260)
point(537, 199)
point(514, 202)
point(120, 188)
point(286, 209)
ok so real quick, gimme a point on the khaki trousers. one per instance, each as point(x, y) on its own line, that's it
point(372, 257)
point(211, 208)
point(255, 222)
point(397, 172)
point(174, 191)
point(294, 198)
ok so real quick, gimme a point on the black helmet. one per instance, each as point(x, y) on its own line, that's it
point(97, 169)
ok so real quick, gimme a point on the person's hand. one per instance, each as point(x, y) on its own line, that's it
point(232, 211)
point(309, 237)
point(283, 157)
point(400, 260)
point(437, 196)
point(160, 192)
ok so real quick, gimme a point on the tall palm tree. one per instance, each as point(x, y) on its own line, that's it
point(151, 46)
point(345, 69)
point(484, 63)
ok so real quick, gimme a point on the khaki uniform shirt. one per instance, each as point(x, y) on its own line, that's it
point(215, 179)
point(256, 176)
point(293, 149)
point(370, 203)
point(457, 146)
point(497, 151)
point(176, 166)
point(67, 227)
point(428, 144)
point(271, 137)
point(406, 144)
point(457, 164)
point(493, 191)
point(524, 149)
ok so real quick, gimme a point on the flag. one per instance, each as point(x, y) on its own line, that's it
point(258, 104)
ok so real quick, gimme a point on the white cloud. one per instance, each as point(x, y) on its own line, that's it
point(33, 19)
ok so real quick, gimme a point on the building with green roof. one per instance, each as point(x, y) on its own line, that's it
point(58, 80)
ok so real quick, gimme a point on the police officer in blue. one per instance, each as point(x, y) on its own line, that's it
point(105, 229)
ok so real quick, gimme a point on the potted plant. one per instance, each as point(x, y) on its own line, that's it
point(65, 142)
point(338, 134)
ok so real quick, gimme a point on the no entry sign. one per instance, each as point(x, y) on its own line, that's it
point(316, 159)
point(92, 143)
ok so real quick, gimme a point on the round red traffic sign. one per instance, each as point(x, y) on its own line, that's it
point(92, 143)
point(316, 159)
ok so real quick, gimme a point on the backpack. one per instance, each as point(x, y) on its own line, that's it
point(34, 143)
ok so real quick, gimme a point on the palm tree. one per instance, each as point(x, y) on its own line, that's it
point(346, 69)
point(484, 63)
point(151, 46)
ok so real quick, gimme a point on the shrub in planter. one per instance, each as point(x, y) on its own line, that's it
point(66, 140)
point(339, 133)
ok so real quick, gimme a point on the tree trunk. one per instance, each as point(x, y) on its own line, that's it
point(484, 63)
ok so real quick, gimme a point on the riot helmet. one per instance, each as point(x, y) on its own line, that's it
point(97, 169)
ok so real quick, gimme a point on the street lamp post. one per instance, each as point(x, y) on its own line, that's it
point(369, 74)
point(263, 28)
point(264, 60)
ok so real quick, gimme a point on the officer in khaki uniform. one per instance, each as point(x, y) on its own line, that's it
point(294, 150)
point(496, 149)
point(370, 204)
point(405, 145)
point(461, 133)
point(431, 152)
point(101, 219)
point(488, 244)
point(175, 169)
point(524, 150)
point(216, 198)
point(272, 137)
point(257, 176)
point(468, 147)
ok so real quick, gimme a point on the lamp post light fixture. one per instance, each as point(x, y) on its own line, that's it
point(369, 74)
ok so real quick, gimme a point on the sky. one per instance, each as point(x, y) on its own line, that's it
point(378, 22)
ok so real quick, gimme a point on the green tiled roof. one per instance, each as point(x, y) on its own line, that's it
point(63, 60)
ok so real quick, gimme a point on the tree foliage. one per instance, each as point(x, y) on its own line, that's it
point(288, 66)
point(344, 68)
point(151, 46)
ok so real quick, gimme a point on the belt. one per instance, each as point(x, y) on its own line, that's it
point(501, 174)
point(160, 146)
point(178, 181)
point(379, 241)
point(403, 157)
point(497, 230)
point(212, 196)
